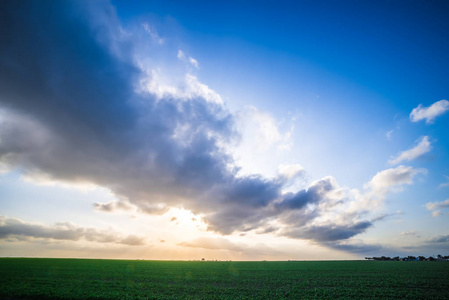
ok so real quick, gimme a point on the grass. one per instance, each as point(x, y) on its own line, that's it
point(127, 279)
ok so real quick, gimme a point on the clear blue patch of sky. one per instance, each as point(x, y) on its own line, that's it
point(386, 44)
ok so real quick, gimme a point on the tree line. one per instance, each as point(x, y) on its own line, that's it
point(410, 258)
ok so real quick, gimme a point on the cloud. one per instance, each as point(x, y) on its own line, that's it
point(268, 229)
point(73, 114)
point(114, 206)
point(132, 240)
point(261, 139)
point(261, 125)
point(357, 247)
point(388, 134)
point(181, 55)
point(126, 206)
point(329, 233)
point(423, 146)
point(429, 113)
point(315, 193)
point(436, 213)
point(193, 62)
point(153, 33)
point(439, 239)
point(190, 88)
point(392, 179)
point(292, 171)
point(444, 184)
point(384, 216)
point(436, 207)
point(375, 191)
point(15, 228)
point(384, 182)
point(410, 233)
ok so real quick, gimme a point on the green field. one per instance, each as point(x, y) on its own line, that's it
point(129, 279)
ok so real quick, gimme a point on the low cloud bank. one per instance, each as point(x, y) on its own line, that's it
point(18, 229)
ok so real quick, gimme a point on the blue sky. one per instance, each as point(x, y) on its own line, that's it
point(241, 130)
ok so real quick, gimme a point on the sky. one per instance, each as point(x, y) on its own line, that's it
point(229, 130)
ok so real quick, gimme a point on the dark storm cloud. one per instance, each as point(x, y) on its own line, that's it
point(268, 229)
point(313, 194)
point(70, 110)
point(10, 227)
point(438, 239)
point(330, 232)
point(359, 248)
point(54, 68)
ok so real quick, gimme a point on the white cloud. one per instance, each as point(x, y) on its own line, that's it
point(181, 55)
point(153, 33)
point(155, 84)
point(436, 213)
point(186, 88)
point(262, 143)
point(388, 134)
point(410, 232)
point(263, 126)
point(193, 62)
point(197, 89)
point(429, 113)
point(290, 171)
point(437, 205)
point(423, 146)
point(444, 184)
point(391, 178)
point(384, 182)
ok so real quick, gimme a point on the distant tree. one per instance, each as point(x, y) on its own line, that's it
point(439, 257)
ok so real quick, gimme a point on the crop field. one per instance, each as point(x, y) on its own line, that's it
point(41, 278)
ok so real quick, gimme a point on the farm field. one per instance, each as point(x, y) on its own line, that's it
point(137, 279)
